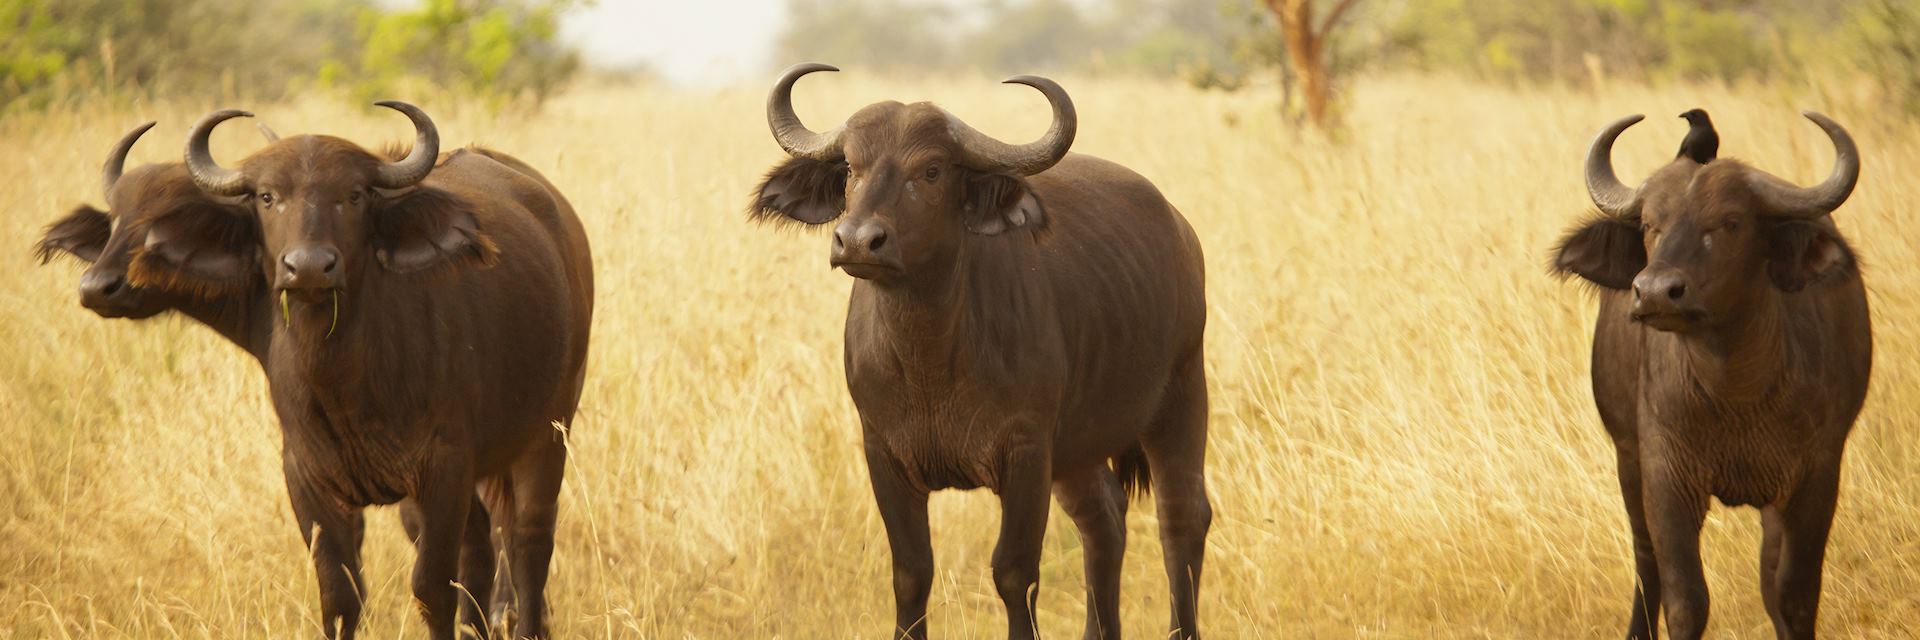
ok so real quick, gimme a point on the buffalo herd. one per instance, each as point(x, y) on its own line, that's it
point(1024, 319)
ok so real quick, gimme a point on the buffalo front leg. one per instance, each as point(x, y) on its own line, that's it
point(476, 561)
point(445, 497)
point(333, 533)
point(1024, 502)
point(476, 570)
point(1808, 518)
point(1773, 529)
point(903, 510)
point(1645, 619)
point(1098, 506)
point(1675, 512)
point(1177, 454)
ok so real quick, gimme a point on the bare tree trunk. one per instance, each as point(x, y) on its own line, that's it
point(1306, 52)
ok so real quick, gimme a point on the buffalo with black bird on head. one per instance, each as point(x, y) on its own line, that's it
point(1730, 358)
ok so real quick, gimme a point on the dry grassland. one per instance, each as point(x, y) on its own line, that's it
point(1403, 441)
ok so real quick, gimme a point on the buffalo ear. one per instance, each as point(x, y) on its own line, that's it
point(82, 234)
point(425, 228)
point(804, 190)
point(997, 203)
point(204, 250)
point(1606, 251)
point(1803, 253)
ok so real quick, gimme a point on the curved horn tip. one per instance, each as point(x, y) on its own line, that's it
point(412, 169)
point(795, 138)
point(1821, 199)
point(1820, 119)
point(402, 107)
point(117, 158)
point(809, 67)
point(207, 174)
point(1030, 80)
point(1603, 186)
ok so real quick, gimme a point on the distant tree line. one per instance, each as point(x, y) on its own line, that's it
point(1227, 43)
point(52, 50)
point(1159, 37)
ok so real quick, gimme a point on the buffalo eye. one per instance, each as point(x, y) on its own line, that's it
point(266, 199)
point(353, 198)
point(933, 173)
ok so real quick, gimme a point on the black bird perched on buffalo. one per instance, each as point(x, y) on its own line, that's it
point(1702, 142)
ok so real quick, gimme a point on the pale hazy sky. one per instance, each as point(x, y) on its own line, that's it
point(699, 42)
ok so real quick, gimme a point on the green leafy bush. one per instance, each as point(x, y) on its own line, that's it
point(52, 50)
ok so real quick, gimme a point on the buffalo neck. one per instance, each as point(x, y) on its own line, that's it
point(955, 320)
point(1742, 360)
point(925, 306)
point(243, 320)
point(332, 343)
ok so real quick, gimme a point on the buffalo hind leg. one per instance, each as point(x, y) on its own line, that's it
point(1773, 537)
point(1808, 517)
point(536, 500)
point(476, 571)
point(333, 534)
point(1675, 513)
point(1024, 502)
point(903, 510)
point(1645, 619)
point(1176, 449)
point(445, 497)
point(1098, 506)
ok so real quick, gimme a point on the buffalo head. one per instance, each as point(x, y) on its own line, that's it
point(907, 181)
point(325, 209)
point(112, 241)
point(1698, 244)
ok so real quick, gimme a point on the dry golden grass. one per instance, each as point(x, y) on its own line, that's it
point(1404, 445)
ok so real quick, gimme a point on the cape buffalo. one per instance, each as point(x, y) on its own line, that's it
point(1024, 319)
point(410, 359)
point(107, 241)
point(1729, 360)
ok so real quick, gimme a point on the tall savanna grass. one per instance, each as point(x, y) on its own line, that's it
point(1403, 440)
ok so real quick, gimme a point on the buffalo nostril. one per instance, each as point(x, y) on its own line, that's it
point(839, 242)
point(878, 240)
point(113, 286)
point(1676, 292)
point(287, 261)
point(332, 261)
